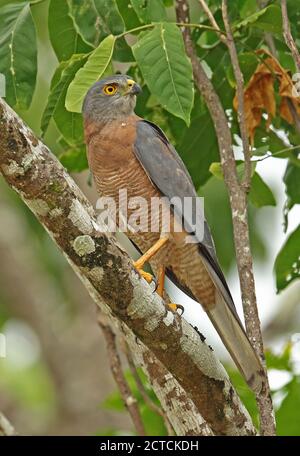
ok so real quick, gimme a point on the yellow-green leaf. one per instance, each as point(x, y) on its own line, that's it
point(95, 67)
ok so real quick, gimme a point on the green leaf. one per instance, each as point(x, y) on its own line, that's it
point(69, 125)
point(64, 35)
point(217, 206)
point(268, 19)
point(18, 53)
point(287, 263)
point(280, 361)
point(291, 179)
point(275, 143)
point(248, 63)
point(198, 147)
point(86, 20)
point(287, 417)
point(122, 51)
point(260, 194)
point(95, 67)
point(244, 392)
point(74, 160)
point(216, 169)
point(247, 8)
point(166, 69)
point(149, 11)
point(262, 150)
point(128, 14)
point(110, 14)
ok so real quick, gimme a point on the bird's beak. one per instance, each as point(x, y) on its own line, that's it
point(133, 88)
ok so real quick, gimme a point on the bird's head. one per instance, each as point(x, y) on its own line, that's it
point(111, 98)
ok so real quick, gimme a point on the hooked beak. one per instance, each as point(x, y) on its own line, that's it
point(133, 88)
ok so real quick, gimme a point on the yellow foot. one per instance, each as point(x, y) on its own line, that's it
point(174, 307)
point(146, 275)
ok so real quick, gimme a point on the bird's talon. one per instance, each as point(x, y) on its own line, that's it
point(155, 281)
point(174, 307)
point(146, 275)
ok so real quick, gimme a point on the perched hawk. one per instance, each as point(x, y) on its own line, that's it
point(127, 152)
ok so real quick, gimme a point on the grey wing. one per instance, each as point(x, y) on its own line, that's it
point(168, 173)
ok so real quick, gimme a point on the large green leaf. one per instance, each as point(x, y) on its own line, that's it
point(150, 11)
point(287, 264)
point(198, 147)
point(292, 183)
point(87, 21)
point(18, 53)
point(128, 14)
point(248, 63)
point(110, 15)
point(74, 160)
point(69, 124)
point(95, 67)
point(287, 417)
point(64, 35)
point(218, 214)
point(260, 194)
point(268, 19)
point(166, 69)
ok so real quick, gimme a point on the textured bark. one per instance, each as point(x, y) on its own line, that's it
point(239, 78)
point(290, 42)
point(175, 402)
point(29, 167)
point(238, 204)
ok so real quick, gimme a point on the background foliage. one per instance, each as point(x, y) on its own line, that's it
point(52, 51)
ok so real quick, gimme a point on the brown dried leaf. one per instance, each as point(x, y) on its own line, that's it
point(260, 94)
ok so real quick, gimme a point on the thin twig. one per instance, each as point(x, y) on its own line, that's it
point(238, 203)
point(155, 408)
point(211, 18)
point(6, 428)
point(240, 97)
point(290, 42)
point(279, 152)
point(117, 371)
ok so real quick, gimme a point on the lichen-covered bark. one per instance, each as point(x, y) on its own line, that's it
point(186, 419)
point(34, 172)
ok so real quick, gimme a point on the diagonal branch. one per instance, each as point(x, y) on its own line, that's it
point(211, 19)
point(239, 78)
point(238, 204)
point(107, 272)
point(290, 42)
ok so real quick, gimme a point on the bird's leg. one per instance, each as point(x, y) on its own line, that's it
point(160, 290)
point(161, 281)
point(139, 264)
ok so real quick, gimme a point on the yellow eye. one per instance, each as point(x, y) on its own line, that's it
point(110, 89)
